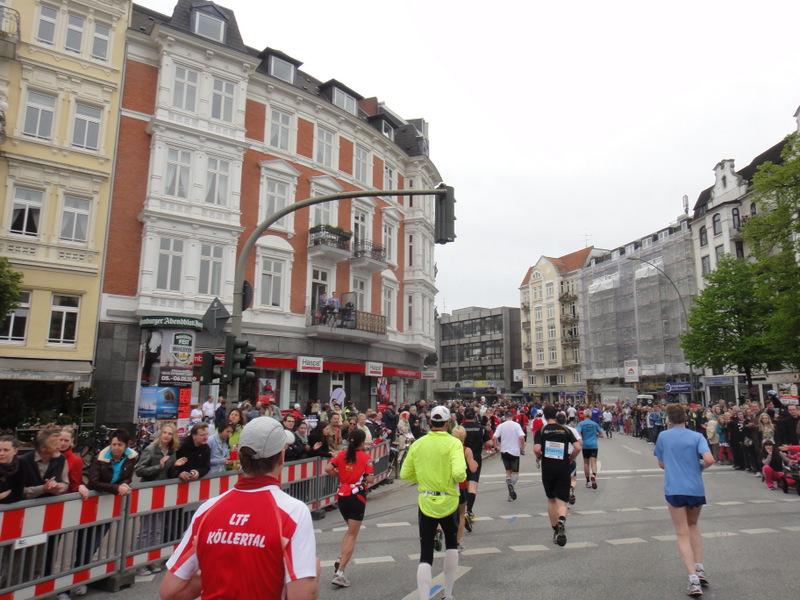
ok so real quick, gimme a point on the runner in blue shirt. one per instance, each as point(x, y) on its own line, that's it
point(589, 431)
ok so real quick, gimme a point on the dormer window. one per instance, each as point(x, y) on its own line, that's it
point(281, 69)
point(344, 101)
point(208, 26)
point(387, 130)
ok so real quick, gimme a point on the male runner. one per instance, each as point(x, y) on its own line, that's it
point(589, 432)
point(512, 445)
point(477, 438)
point(552, 443)
point(435, 462)
point(561, 419)
point(683, 454)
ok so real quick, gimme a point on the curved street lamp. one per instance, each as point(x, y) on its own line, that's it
point(692, 391)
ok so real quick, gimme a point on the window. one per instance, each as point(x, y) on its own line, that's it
point(539, 334)
point(410, 252)
point(388, 177)
point(184, 91)
point(208, 26)
point(222, 101)
point(322, 214)
point(739, 249)
point(531, 379)
point(39, 116)
point(703, 236)
point(551, 311)
point(178, 168)
point(361, 164)
point(360, 231)
point(553, 354)
point(74, 38)
point(87, 127)
point(319, 286)
point(576, 376)
point(344, 101)
point(210, 277)
point(324, 146)
point(360, 290)
point(170, 263)
point(100, 41)
point(14, 328)
point(537, 312)
point(562, 378)
point(388, 241)
point(548, 289)
point(277, 198)
point(410, 311)
point(717, 224)
point(281, 69)
point(705, 264)
point(540, 355)
point(551, 332)
point(279, 128)
point(217, 181)
point(719, 252)
point(26, 211)
point(389, 294)
point(75, 219)
point(46, 31)
point(753, 208)
point(576, 357)
point(735, 218)
point(387, 130)
point(63, 319)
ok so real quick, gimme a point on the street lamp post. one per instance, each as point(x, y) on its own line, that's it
point(692, 391)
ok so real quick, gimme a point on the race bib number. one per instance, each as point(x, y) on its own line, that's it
point(554, 450)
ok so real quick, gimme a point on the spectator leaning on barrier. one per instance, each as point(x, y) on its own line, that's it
point(255, 528)
point(157, 459)
point(112, 468)
point(11, 484)
point(45, 471)
point(194, 455)
point(219, 448)
point(74, 462)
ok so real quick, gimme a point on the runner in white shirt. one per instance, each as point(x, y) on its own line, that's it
point(561, 419)
point(512, 445)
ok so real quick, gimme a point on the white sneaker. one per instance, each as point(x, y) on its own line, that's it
point(63, 596)
point(143, 572)
point(81, 590)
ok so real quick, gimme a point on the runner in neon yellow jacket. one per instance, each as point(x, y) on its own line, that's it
point(435, 462)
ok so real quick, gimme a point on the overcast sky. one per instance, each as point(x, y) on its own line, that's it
point(560, 124)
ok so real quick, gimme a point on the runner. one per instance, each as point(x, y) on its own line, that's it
point(477, 438)
point(512, 445)
point(561, 419)
point(589, 431)
point(461, 435)
point(253, 541)
point(353, 467)
point(683, 454)
point(552, 443)
point(436, 464)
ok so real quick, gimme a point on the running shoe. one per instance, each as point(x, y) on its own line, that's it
point(460, 548)
point(512, 495)
point(594, 482)
point(701, 575)
point(341, 581)
point(694, 590)
point(572, 496)
point(589, 484)
point(437, 540)
point(467, 522)
point(561, 534)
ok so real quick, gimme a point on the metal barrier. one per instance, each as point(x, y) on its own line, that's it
point(51, 545)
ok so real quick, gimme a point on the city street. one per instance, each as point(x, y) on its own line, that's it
point(620, 539)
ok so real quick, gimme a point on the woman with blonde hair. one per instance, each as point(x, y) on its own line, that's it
point(461, 435)
point(158, 457)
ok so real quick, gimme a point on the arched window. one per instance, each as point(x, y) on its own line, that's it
point(753, 208)
point(735, 218)
point(703, 236)
point(717, 224)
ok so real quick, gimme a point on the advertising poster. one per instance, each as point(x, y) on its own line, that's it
point(177, 357)
point(159, 403)
point(266, 389)
point(383, 390)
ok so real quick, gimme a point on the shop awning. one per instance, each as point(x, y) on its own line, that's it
point(45, 370)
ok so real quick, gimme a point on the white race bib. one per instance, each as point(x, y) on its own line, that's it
point(554, 450)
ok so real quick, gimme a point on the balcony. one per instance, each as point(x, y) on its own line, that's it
point(329, 243)
point(9, 32)
point(567, 297)
point(569, 318)
point(571, 340)
point(368, 257)
point(346, 324)
point(528, 365)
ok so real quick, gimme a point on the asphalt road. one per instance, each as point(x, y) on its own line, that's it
point(620, 539)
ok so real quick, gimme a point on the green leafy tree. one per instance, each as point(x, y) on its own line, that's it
point(10, 289)
point(727, 322)
point(773, 236)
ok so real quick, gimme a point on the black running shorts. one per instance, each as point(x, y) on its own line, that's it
point(556, 483)
point(510, 462)
point(589, 452)
point(352, 507)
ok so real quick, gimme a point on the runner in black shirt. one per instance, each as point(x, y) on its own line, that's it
point(477, 438)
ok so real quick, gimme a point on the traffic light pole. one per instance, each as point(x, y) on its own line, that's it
point(247, 248)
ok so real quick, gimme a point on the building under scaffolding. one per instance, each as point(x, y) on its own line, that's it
point(632, 314)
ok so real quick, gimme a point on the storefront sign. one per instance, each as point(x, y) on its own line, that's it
point(309, 364)
point(519, 375)
point(428, 375)
point(631, 371)
point(177, 358)
point(719, 380)
point(167, 321)
point(373, 369)
point(678, 387)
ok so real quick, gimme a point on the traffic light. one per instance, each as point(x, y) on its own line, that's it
point(208, 370)
point(238, 357)
point(445, 215)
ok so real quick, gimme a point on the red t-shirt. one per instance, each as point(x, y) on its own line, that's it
point(352, 476)
point(255, 530)
point(75, 469)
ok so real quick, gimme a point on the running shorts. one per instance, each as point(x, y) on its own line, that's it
point(352, 507)
point(462, 495)
point(589, 452)
point(679, 501)
point(573, 468)
point(476, 476)
point(556, 483)
point(510, 462)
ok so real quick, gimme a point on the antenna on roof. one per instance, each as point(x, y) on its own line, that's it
point(685, 204)
point(586, 237)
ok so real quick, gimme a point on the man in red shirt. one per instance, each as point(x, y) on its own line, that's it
point(254, 528)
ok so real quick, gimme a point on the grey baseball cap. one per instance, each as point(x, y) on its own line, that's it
point(265, 436)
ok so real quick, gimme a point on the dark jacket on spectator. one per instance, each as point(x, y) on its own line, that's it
point(56, 468)
point(11, 479)
point(786, 430)
point(102, 471)
point(149, 466)
point(198, 458)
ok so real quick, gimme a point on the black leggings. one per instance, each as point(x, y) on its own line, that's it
point(427, 533)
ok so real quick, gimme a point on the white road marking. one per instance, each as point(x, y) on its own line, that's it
point(729, 503)
point(373, 559)
point(399, 524)
point(532, 548)
point(719, 534)
point(792, 528)
point(590, 512)
point(522, 516)
point(438, 583)
point(480, 551)
point(623, 541)
point(665, 538)
point(758, 531)
point(632, 509)
point(656, 507)
point(340, 529)
point(580, 545)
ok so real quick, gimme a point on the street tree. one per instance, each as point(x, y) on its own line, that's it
point(10, 289)
point(773, 236)
point(727, 322)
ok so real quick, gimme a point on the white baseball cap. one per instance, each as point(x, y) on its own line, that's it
point(440, 413)
point(265, 436)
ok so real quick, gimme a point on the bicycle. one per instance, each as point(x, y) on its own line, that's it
point(99, 439)
point(396, 457)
